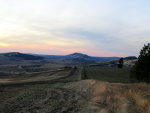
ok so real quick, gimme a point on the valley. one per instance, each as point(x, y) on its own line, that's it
point(70, 88)
point(74, 56)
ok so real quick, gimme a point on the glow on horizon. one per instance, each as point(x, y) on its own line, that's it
point(94, 27)
point(54, 50)
point(4, 45)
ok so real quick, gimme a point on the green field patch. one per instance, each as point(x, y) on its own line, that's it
point(110, 74)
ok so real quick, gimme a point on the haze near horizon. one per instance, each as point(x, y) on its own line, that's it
point(93, 27)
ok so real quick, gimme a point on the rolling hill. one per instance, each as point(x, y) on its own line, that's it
point(79, 58)
point(71, 59)
point(18, 58)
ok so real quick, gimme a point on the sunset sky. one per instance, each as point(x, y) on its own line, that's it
point(93, 27)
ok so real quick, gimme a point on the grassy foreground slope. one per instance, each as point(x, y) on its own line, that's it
point(109, 74)
point(120, 98)
point(63, 91)
point(111, 91)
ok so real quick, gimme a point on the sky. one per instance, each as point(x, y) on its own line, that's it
point(59, 27)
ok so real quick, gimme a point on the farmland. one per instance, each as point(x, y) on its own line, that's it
point(50, 91)
point(60, 89)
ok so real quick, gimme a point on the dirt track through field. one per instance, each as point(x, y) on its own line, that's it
point(73, 73)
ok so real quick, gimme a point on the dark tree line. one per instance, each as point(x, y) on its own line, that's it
point(141, 71)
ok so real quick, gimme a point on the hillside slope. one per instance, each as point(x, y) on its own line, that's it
point(17, 58)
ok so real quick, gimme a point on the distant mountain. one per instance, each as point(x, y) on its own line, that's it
point(130, 58)
point(79, 58)
point(17, 55)
point(18, 58)
point(76, 55)
point(74, 58)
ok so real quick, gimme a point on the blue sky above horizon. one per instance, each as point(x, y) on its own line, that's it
point(94, 27)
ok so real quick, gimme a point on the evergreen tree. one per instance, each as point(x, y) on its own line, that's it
point(120, 65)
point(141, 70)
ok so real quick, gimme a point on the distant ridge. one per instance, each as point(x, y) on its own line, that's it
point(23, 56)
point(79, 57)
point(16, 58)
point(74, 58)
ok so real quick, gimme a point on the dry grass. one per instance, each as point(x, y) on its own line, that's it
point(33, 77)
point(138, 97)
point(121, 98)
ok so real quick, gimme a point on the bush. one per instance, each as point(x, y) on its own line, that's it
point(120, 65)
point(84, 74)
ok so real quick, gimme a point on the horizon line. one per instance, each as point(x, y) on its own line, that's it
point(62, 54)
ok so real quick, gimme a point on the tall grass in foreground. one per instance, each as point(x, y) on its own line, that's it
point(120, 98)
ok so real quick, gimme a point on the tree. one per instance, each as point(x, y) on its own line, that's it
point(141, 70)
point(120, 65)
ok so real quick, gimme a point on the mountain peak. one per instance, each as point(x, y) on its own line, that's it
point(76, 54)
